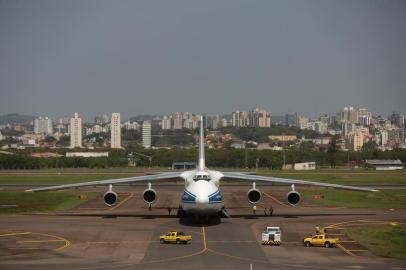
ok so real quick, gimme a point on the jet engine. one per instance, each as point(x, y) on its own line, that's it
point(149, 194)
point(110, 197)
point(253, 195)
point(293, 196)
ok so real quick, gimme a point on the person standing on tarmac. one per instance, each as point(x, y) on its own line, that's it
point(254, 209)
point(270, 211)
point(169, 211)
point(265, 213)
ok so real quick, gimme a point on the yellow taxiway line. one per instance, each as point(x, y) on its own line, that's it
point(12, 234)
point(121, 203)
point(273, 198)
point(204, 238)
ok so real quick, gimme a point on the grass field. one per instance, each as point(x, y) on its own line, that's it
point(388, 198)
point(56, 178)
point(346, 177)
point(41, 201)
point(382, 240)
point(339, 176)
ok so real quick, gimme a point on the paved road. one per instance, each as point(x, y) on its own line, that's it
point(126, 236)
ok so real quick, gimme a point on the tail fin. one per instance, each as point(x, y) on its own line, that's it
point(202, 164)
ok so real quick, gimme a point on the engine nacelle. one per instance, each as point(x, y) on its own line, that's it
point(110, 197)
point(254, 195)
point(293, 197)
point(149, 195)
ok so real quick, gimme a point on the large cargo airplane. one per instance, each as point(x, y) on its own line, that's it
point(201, 194)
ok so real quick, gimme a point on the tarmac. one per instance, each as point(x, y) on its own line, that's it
point(126, 236)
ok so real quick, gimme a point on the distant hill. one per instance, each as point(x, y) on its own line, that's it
point(14, 118)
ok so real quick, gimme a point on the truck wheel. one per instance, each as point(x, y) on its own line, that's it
point(184, 242)
point(162, 241)
point(327, 244)
point(307, 244)
point(178, 241)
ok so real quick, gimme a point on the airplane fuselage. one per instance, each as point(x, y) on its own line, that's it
point(201, 194)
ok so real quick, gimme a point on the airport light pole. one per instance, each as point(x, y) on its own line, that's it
point(283, 150)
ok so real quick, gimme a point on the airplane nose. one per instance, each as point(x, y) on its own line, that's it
point(202, 199)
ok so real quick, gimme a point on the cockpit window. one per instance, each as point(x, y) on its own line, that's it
point(198, 177)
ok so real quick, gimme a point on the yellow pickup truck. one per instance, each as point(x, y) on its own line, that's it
point(175, 237)
point(320, 240)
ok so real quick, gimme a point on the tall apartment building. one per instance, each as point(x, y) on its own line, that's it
point(364, 116)
point(146, 134)
point(240, 119)
point(76, 131)
point(177, 120)
point(349, 114)
point(43, 126)
point(254, 118)
point(264, 118)
point(166, 123)
point(115, 128)
point(397, 119)
point(357, 140)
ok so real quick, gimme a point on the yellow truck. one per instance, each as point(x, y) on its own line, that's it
point(175, 237)
point(320, 240)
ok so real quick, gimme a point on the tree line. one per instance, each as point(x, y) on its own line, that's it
point(231, 158)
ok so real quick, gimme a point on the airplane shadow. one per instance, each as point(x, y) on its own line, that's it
point(212, 221)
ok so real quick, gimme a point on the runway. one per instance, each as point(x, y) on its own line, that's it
point(126, 236)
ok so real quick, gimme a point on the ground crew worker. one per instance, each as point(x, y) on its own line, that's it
point(254, 209)
point(265, 213)
point(169, 211)
point(270, 211)
point(317, 229)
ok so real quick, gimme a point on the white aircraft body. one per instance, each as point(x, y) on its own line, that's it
point(202, 194)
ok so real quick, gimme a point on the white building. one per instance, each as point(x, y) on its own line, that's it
point(264, 118)
point(224, 123)
point(43, 126)
point(178, 120)
point(188, 124)
point(239, 119)
point(303, 122)
point(364, 116)
point(146, 134)
point(87, 154)
point(131, 125)
point(166, 123)
point(76, 131)
point(384, 137)
point(115, 128)
point(320, 127)
point(349, 114)
point(304, 166)
point(216, 122)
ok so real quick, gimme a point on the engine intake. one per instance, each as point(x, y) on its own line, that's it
point(253, 195)
point(110, 198)
point(293, 197)
point(149, 195)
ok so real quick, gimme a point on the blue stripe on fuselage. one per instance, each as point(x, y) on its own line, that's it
point(215, 197)
point(189, 197)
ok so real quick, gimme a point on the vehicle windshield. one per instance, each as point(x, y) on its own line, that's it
point(202, 177)
point(181, 233)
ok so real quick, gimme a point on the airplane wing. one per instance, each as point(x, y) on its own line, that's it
point(253, 178)
point(155, 177)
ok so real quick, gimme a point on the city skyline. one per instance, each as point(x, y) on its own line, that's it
point(60, 57)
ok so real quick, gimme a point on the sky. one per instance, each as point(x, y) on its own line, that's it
point(213, 56)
